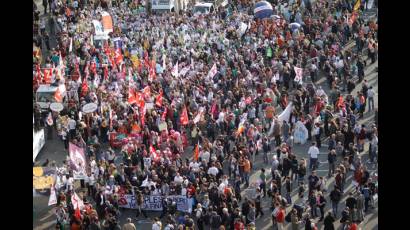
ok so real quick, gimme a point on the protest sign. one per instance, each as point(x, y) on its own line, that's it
point(90, 107)
point(301, 133)
point(78, 162)
point(56, 107)
point(153, 203)
point(43, 177)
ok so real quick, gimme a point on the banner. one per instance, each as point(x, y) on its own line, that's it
point(107, 22)
point(76, 201)
point(212, 72)
point(285, 115)
point(299, 75)
point(153, 203)
point(78, 162)
point(43, 177)
point(53, 198)
point(301, 133)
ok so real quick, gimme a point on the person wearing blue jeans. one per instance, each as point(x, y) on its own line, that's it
point(335, 196)
point(313, 153)
point(370, 98)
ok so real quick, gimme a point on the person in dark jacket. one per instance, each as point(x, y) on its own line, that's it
point(321, 204)
point(351, 201)
point(216, 220)
point(331, 158)
point(335, 196)
point(328, 222)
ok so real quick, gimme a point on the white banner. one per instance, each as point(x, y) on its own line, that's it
point(301, 133)
point(78, 162)
point(53, 198)
point(76, 201)
point(154, 203)
point(299, 75)
point(285, 115)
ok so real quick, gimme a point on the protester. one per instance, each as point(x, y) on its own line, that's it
point(175, 84)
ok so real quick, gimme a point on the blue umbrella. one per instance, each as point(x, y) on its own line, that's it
point(263, 9)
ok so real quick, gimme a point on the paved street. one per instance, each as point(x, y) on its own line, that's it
point(54, 150)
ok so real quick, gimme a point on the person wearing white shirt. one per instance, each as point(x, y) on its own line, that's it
point(178, 179)
point(71, 126)
point(205, 156)
point(194, 166)
point(313, 153)
point(213, 170)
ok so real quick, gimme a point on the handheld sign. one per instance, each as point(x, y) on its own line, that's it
point(89, 108)
point(56, 107)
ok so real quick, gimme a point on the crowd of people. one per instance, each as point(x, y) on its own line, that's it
point(174, 83)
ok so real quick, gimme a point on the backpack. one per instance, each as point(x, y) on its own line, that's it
point(280, 217)
point(216, 221)
point(288, 217)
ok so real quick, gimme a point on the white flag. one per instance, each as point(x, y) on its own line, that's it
point(285, 115)
point(164, 57)
point(174, 70)
point(76, 201)
point(184, 71)
point(199, 115)
point(53, 198)
point(70, 49)
point(212, 71)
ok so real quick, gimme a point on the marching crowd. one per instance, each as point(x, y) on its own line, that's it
point(166, 83)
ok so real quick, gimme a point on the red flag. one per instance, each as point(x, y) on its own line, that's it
point(152, 150)
point(147, 91)
point(340, 102)
point(158, 99)
point(93, 67)
point(184, 117)
point(57, 95)
point(38, 73)
point(143, 111)
point(77, 213)
point(118, 56)
point(131, 96)
point(146, 60)
point(47, 72)
point(139, 99)
point(164, 114)
point(151, 75)
point(84, 87)
point(105, 72)
point(196, 153)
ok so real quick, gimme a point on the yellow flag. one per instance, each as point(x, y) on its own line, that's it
point(357, 5)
